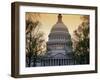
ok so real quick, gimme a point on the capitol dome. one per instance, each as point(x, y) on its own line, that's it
point(59, 44)
point(59, 33)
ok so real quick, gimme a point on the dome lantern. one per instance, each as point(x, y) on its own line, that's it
point(59, 18)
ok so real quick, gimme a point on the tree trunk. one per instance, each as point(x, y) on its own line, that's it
point(35, 59)
point(34, 63)
point(29, 57)
point(29, 64)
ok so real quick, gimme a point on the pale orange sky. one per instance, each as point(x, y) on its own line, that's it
point(48, 20)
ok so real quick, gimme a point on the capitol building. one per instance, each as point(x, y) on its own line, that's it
point(59, 46)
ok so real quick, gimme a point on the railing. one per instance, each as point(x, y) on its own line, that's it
point(55, 62)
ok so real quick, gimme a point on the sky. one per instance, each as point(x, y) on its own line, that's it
point(48, 20)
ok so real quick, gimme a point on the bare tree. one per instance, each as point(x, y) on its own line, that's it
point(34, 39)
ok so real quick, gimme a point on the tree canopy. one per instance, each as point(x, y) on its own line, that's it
point(81, 41)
